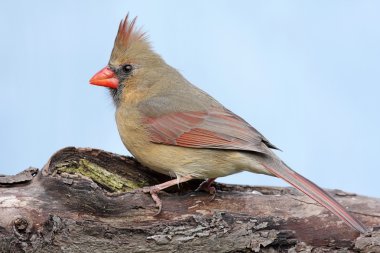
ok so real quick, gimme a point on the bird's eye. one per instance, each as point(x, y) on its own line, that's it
point(127, 68)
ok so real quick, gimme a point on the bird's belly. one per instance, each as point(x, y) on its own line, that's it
point(180, 161)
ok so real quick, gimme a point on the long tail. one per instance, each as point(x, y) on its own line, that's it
point(281, 170)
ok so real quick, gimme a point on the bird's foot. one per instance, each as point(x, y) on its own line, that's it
point(206, 186)
point(153, 191)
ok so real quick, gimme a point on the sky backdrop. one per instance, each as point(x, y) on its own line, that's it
point(306, 74)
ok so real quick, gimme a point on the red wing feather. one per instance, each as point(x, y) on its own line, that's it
point(198, 137)
point(214, 129)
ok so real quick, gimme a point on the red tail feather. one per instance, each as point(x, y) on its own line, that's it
point(316, 193)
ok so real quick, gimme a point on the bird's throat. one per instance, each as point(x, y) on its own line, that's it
point(115, 95)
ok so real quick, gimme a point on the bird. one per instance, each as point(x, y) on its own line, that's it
point(175, 128)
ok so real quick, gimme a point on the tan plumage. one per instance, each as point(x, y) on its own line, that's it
point(175, 128)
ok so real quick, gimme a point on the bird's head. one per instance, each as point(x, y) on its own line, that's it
point(131, 59)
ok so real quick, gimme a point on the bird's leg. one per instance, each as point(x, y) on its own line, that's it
point(206, 186)
point(153, 190)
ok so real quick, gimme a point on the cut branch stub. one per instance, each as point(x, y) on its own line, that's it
point(20, 178)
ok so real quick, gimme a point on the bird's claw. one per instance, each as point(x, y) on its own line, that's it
point(206, 186)
point(153, 190)
point(212, 191)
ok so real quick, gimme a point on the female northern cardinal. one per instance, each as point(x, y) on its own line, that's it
point(177, 129)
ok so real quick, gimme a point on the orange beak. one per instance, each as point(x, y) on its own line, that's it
point(105, 77)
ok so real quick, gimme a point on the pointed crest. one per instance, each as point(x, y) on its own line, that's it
point(127, 34)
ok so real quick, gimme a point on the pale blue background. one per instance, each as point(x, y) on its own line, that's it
point(305, 73)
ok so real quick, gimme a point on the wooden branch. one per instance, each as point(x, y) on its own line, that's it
point(85, 200)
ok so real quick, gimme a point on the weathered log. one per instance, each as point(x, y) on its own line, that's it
point(85, 200)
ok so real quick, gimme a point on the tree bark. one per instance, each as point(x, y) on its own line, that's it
point(87, 200)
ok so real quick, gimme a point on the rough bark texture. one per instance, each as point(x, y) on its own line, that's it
point(85, 200)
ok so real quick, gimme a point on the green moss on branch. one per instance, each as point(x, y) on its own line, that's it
point(98, 174)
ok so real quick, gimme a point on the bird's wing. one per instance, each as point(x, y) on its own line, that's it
point(216, 128)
